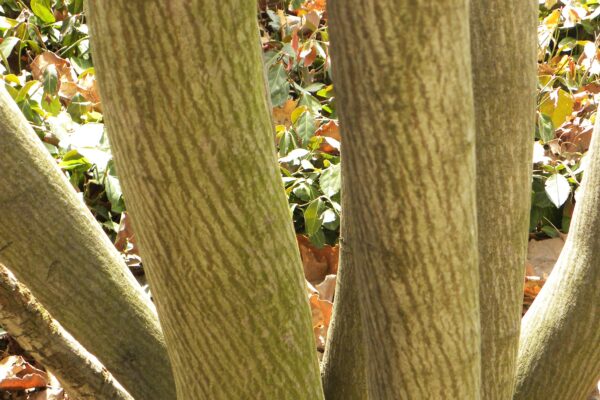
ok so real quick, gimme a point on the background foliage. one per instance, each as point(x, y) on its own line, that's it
point(47, 67)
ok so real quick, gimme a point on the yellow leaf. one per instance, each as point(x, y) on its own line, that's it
point(297, 113)
point(558, 106)
point(552, 20)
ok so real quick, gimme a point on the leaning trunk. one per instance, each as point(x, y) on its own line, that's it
point(190, 127)
point(402, 73)
point(503, 44)
point(79, 372)
point(560, 335)
point(55, 247)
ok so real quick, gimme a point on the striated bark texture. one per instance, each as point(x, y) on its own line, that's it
point(343, 367)
point(559, 351)
point(190, 127)
point(80, 373)
point(56, 248)
point(402, 73)
point(503, 51)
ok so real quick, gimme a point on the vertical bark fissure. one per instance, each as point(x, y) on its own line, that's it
point(559, 355)
point(503, 51)
point(402, 73)
point(190, 127)
point(61, 254)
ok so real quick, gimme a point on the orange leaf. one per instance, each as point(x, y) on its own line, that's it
point(329, 129)
point(317, 263)
point(17, 374)
point(283, 115)
point(63, 67)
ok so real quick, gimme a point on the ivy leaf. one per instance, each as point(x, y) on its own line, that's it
point(50, 80)
point(558, 189)
point(305, 127)
point(114, 193)
point(545, 128)
point(278, 85)
point(331, 220)
point(313, 218)
point(43, 10)
point(7, 46)
point(296, 4)
point(330, 180)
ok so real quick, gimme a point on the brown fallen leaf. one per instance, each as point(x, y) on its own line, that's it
point(18, 374)
point(326, 288)
point(533, 285)
point(321, 316)
point(86, 86)
point(329, 130)
point(63, 67)
point(125, 241)
point(283, 115)
point(542, 255)
point(317, 263)
point(54, 391)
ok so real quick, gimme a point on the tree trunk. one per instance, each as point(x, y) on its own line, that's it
point(55, 246)
point(343, 367)
point(560, 335)
point(188, 121)
point(503, 48)
point(80, 373)
point(402, 73)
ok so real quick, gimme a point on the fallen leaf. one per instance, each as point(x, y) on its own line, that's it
point(329, 130)
point(283, 115)
point(18, 374)
point(317, 263)
point(63, 67)
point(125, 241)
point(321, 316)
point(542, 255)
point(326, 288)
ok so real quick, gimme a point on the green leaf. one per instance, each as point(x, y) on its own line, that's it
point(550, 231)
point(287, 143)
point(43, 10)
point(545, 128)
point(278, 85)
point(331, 220)
point(314, 87)
point(304, 192)
point(53, 107)
point(78, 106)
point(305, 127)
point(331, 180)
point(318, 239)
point(114, 193)
point(7, 46)
point(74, 161)
point(7, 23)
point(24, 91)
point(76, 6)
point(51, 80)
point(312, 217)
point(558, 189)
point(294, 155)
point(310, 102)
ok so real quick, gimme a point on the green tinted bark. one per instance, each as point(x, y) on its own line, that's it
point(190, 127)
